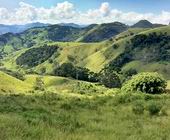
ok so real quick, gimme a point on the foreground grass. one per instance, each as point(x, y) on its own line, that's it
point(168, 87)
point(49, 116)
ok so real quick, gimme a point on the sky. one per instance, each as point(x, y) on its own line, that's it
point(84, 11)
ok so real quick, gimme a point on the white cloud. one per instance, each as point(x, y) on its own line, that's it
point(66, 12)
point(105, 9)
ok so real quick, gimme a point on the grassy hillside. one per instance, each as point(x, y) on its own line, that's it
point(9, 84)
point(146, 51)
point(103, 32)
point(53, 33)
point(168, 85)
point(51, 116)
point(70, 109)
point(94, 56)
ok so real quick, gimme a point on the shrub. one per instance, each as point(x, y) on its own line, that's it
point(154, 108)
point(138, 107)
point(146, 82)
point(39, 85)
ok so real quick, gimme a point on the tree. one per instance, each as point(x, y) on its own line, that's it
point(65, 70)
point(110, 79)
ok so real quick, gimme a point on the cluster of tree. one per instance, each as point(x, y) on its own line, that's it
point(157, 45)
point(36, 56)
point(107, 77)
point(79, 73)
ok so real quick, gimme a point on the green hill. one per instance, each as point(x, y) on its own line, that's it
point(9, 84)
point(65, 108)
point(103, 32)
point(146, 24)
point(52, 33)
point(143, 49)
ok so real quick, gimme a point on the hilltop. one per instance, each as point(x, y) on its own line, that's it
point(146, 24)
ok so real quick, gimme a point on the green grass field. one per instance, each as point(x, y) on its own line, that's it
point(50, 116)
point(168, 85)
point(70, 109)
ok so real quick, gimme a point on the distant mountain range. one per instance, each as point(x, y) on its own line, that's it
point(19, 28)
point(30, 34)
point(73, 25)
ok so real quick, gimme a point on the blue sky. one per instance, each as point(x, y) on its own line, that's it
point(144, 6)
point(84, 11)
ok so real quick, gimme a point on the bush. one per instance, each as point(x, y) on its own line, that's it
point(138, 107)
point(39, 85)
point(154, 108)
point(146, 82)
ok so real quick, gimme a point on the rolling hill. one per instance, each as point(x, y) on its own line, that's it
point(11, 85)
point(142, 49)
point(65, 108)
point(95, 56)
point(53, 33)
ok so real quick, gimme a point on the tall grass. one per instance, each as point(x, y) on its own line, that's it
point(49, 116)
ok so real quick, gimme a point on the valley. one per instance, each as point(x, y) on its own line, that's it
point(66, 82)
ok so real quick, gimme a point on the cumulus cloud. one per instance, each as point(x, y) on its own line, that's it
point(66, 12)
point(105, 9)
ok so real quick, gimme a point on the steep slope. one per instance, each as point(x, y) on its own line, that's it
point(146, 51)
point(104, 32)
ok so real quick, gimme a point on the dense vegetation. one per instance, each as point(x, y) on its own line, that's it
point(153, 48)
point(146, 82)
point(36, 56)
point(77, 90)
point(69, 70)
